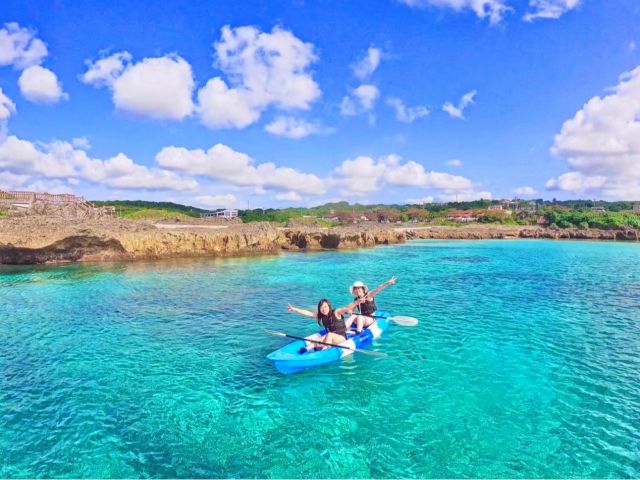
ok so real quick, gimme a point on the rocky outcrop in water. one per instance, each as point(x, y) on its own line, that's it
point(231, 241)
point(335, 238)
point(70, 249)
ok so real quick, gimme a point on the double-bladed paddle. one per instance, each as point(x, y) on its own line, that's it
point(365, 352)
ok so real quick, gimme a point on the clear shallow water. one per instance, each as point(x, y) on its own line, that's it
point(526, 363)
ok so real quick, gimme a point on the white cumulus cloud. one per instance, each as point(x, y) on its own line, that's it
point(159, 87)
point(601, 144)
point(576, 182)
point(465, 101)
point(362, 99)
point(105, 71)
point(223, 163)
point(7, 108)
point(525, 191)
point(20, 47)
point(216, 201)
point(263, 70)
point(368, 64)
point(363, 175)
point(550, 8)
point(454, 163)
point(494, 10)
point(407, 114)
point(40, 85)
point(12, 181)
point(222, 107)
point(289, 197)
point(414, 174)
point(60, 160)
point(81, 142)
point(296, 128)
point(367, 96)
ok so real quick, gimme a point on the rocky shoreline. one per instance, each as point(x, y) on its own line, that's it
point(486, 232)
point(38, 240)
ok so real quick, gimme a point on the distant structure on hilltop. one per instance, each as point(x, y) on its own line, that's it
point(636, 208)
point(226, 213)
point(53, 205)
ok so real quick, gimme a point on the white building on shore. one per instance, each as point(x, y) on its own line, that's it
point(227, 213)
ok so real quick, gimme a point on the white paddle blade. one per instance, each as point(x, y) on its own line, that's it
point(273, 332)
point(404, 321)
point(371, 353)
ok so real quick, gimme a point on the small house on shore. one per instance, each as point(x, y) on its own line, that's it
point(462, 216)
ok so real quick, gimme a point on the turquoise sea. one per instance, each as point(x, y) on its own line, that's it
point(526, 363)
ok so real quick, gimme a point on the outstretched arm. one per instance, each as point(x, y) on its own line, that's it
point(350, 307)
point(306, 313)
point(389, 282)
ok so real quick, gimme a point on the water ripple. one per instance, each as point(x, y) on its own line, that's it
point(525, 364)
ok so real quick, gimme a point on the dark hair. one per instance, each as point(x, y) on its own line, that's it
point(320, 316)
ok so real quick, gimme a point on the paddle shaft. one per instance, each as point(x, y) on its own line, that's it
point(321, 343)
point(355, 350)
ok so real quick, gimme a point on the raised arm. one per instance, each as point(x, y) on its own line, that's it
point(376, 291)
point(350, 307)
point(306, 313)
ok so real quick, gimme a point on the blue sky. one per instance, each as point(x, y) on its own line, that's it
point(279, 103)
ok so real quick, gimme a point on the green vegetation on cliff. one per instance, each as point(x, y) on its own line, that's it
point(589, 219)
point(563, 214)
point(138, 209)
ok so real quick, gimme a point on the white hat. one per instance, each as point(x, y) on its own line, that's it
point(358, 284)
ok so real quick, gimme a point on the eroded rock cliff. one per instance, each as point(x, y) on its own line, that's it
point(347, 237)
point(41, 240)
point(24, 241)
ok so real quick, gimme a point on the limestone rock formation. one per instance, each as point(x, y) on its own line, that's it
point(42, 239)
point(336, 238)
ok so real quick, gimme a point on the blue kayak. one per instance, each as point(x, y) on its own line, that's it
point(288, 359)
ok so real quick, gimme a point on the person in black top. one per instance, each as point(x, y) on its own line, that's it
point(367, 305)
point(331, 319)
